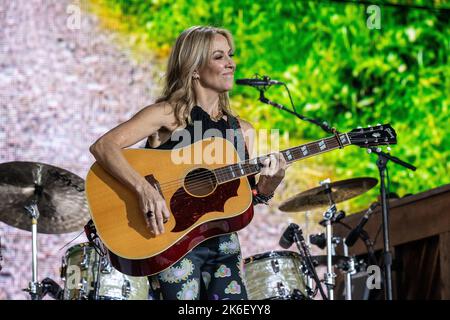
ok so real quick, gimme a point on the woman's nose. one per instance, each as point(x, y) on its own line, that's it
point(231, 64)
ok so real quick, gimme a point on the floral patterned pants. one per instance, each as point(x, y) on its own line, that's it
point(211, 271)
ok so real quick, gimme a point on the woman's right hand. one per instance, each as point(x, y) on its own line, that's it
point(153, 207)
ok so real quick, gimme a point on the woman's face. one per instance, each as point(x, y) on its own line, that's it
point(218, 74)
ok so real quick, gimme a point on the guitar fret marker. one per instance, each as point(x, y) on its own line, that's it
point(322, 145)
point(240, 167)
point(304, 150)
point(232, 171)
point(289, 155)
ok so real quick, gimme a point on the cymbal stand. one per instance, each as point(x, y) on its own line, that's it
point(308, 277)
point(349, 270)
point(34, 287)
point(328, 217)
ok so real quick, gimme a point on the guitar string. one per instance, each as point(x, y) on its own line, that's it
point(202, 181)
point(223, 173)
point(187, 196)
point(246, 165)
point(224, 170)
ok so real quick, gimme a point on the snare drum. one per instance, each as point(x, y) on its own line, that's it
point(87, 276)
point(275, 275)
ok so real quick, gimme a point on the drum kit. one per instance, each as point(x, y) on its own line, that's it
point(286, 275)
point(50, 200)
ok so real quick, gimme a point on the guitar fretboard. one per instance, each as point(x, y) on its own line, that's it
point(254, 166)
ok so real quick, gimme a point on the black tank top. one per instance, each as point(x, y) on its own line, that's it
point(198, 114)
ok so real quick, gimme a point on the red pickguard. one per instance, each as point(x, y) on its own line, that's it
point(155, 264)
point(188, 209)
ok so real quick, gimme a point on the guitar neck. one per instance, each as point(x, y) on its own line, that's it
point(254, 166)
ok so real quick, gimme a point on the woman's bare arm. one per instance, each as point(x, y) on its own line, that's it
point(107, 150)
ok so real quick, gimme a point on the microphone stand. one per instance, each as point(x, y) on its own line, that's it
point(382, 161)
point(323, 125)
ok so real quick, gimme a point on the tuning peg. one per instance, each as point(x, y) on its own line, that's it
point(379, 124)
point(369, 151)
point(388, 149)
point(379, 149)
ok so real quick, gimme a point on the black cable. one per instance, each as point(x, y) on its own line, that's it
point(290, 98)
point(303, 248)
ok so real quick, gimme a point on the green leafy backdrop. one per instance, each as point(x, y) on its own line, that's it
point(337, 69)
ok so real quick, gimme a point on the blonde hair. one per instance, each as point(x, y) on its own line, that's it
point(191, 52)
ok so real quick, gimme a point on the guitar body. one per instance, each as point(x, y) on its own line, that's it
point(200, 207)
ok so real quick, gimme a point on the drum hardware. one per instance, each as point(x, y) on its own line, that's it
point(50, 287)
point(34, 287)
point(293, 234)
point(275, 266)
point(32, 192)
point(126, 288)
point(98, 281)
point(105, 266)
point(1, 256)
point(336, 218)
point(349, 271)
point(84, 264)
point(328, 194)
point(275, 275)
point(328, 217)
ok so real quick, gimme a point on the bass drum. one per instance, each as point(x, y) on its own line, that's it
point(88, 276)
point(275, 275)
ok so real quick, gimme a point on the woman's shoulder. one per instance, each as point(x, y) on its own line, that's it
point(162, 108)
point(245, 125)
point(162, 111)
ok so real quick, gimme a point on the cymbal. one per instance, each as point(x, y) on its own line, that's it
point(59, 194)
point(340, 190)
point(322, 260)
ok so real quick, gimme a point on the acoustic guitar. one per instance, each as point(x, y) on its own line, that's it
point(206, 190)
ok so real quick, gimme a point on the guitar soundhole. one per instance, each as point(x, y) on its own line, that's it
point(200, 182)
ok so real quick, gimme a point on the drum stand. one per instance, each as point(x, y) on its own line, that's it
point(349, 270)
point(328, 216)
point(34, 288)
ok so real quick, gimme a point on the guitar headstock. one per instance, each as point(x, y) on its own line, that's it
point(382, 134)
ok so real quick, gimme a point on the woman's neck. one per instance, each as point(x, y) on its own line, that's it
point(208, 101)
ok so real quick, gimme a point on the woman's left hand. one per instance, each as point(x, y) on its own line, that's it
point(272, 173)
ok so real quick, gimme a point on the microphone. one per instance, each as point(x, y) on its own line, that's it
point(52, 288)
point(258, 82)
point(354, 234)
point(287, 238)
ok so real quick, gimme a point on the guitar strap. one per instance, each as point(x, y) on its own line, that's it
point(239, 144)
